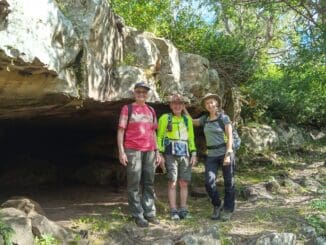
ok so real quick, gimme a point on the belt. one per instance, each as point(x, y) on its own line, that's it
point(211, 147)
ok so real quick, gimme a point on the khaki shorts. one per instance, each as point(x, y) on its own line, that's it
point(178, 167)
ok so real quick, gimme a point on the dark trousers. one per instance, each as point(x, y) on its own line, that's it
point(211, 166)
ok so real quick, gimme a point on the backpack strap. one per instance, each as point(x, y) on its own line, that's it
point(152, 110)
point(129, 106)
point(221, 123)
point(185, 119)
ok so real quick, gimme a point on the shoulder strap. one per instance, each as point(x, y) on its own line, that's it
point(185, 119)
point(129, 113)
point(220, 122)
point(169, 117)
point(152, 110)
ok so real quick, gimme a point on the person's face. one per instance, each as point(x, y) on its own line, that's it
point(140, 94)
point(177, 107)
point(210, 104)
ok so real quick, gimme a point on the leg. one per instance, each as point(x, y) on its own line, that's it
point(211, 167)
point(229, 189)
point(184, 180)
point(184, 170)
point(172, 172)
point(172, 194)
point(134, 169)
point(148, 174)
point(183, 193)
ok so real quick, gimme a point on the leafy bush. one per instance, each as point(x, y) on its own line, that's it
point(6, 232)
point(294, 94)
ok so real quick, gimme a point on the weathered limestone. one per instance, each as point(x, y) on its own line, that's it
point(69, 52)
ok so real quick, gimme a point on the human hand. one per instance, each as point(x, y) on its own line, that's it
point(158, 159)
point(193, 160)
point(227, 159)
point(123, 158)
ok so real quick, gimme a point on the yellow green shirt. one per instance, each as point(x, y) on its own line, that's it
point(180, 131)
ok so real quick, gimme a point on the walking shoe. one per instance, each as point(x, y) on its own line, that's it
point(174, 215)
point(184, 213)
point(226, 215)
point(216, 212)
point(153, 220)
point(140, 222)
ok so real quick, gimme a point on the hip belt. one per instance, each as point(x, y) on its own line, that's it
point(212, 147)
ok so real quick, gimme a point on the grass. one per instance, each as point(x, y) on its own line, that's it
point(114, 220)
point(254, 218)
point(46, 239)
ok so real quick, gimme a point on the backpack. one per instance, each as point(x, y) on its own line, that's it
point(130, 111)
point(236, 138)
point(169, 126)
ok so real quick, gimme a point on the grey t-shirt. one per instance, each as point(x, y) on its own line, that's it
point(214, 134)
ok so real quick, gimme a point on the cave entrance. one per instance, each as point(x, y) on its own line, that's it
point(61, 150)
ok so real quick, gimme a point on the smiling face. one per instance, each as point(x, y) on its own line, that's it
point(177, 107)
point(211, 104)
point(141, 95)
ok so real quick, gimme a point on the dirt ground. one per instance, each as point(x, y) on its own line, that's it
point(68, 204)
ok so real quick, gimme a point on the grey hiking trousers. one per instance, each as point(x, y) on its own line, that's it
point(140, 183)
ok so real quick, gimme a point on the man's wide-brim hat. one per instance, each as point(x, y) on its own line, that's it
point(177, 98)
point(211, 96)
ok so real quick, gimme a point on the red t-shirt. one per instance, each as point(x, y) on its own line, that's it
point(139, 133)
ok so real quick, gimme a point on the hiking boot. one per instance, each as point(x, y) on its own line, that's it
point(216, 212)
point(140, 222)
point(174, 215)
point(153, 220)
point(184, 213)
point(226, 215)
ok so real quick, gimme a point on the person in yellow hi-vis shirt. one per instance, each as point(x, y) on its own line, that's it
point(175, 138)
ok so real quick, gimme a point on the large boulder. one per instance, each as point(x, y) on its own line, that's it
point(64, 54)
point(21, 225)
point(24, 204)
point(26, 217)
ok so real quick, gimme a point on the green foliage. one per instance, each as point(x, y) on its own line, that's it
point(46, 239)
point(274, 49)
point(293, 94)
point(6, 232)
point(112, 221)
point(319, 205)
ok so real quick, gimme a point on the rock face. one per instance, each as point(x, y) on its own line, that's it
point(27, 219)
point(68, 51)
point(66, 69)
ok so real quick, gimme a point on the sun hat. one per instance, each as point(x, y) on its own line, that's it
point(176, 97)
point(210, 95)
point(142, 85)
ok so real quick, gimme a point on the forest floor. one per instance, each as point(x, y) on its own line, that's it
point(100, 213)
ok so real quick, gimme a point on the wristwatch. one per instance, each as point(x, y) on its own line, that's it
point(228, 154)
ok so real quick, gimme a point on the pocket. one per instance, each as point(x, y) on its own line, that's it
point(179, 148)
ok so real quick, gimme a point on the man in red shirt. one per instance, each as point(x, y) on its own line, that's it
point(138, 152)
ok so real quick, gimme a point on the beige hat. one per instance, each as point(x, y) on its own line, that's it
point(210, 95)
point(177, 98)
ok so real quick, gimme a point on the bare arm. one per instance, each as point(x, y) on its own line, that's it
point(195, 122)
point(229, 143)
point(122, 155)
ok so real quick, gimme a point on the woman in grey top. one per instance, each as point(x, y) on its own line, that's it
point(219, 154)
